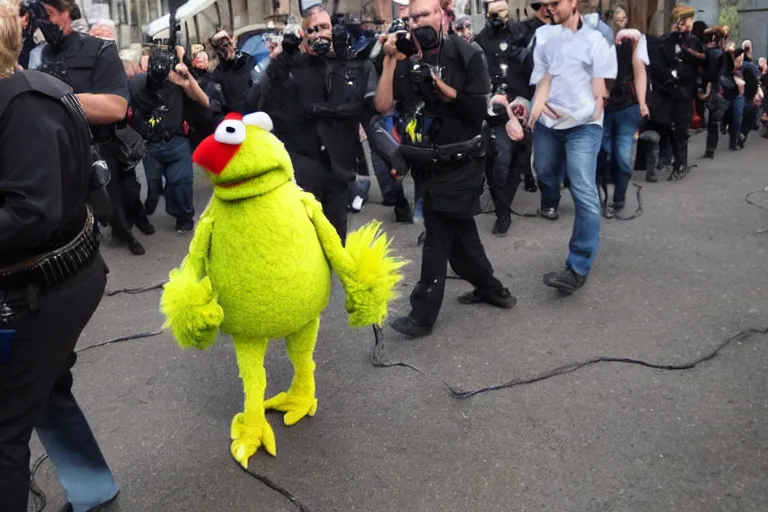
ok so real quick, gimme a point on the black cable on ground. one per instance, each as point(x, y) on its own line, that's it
point(277, 488)
point(455, 392)
point(604, 203)
point(762, 207)
point(134, 291)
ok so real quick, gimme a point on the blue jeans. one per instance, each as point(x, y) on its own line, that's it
point(737, 113)
point(172, 160)
point(578, 147)
point(615, 158)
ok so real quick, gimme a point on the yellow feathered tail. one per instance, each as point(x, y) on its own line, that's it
point(371, 286)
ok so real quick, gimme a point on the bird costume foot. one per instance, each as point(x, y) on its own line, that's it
point(248, 437)
point(295, 406)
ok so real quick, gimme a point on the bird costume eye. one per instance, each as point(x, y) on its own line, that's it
point(260, 119)
point(230, 131)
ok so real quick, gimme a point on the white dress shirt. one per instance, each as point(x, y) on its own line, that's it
point(572, 59)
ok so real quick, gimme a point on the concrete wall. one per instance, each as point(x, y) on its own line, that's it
point(711, 10)
point(753, 25)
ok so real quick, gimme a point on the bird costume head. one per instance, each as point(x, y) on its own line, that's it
point(243, 158)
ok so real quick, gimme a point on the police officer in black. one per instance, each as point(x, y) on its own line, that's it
point(715, 90)
point(92, 67)
point(316, 101)
point(233, 73)
point(510, 63)
point(52, 279)
point(444, 96)
point(674, 70)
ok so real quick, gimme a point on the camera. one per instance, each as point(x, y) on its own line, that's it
point(161, 63)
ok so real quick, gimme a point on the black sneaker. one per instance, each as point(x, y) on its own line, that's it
point(184, 225)
point(104, 507)
point(678, 174)
point(566, 281)
point(530, 184)
point(548, 213)
point(709, 154)
point(403, 214)
point(407, 326)
point(143, 225)
point(136, 247)
point(501, 226)
point(617, 206)
point(501, 298)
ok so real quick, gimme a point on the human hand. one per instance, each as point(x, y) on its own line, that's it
point(534, 116)
point(514, 129)
point(499, 99)
point(644, 112)
point(599, 106)
point(180, 76)
point(388, 42)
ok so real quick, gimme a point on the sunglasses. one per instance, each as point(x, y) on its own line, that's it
point(550, 5)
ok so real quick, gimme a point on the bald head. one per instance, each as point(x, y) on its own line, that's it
point(426, 13)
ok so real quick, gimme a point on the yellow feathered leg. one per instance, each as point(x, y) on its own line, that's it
point(250, 428)
point(299, 400)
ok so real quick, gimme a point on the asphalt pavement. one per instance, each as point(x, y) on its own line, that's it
point(667, 287)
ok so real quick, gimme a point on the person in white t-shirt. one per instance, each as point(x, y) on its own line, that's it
point(571, 63)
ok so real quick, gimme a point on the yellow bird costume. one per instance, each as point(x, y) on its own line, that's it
point(259, 268)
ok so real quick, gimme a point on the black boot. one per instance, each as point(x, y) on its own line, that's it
point(566, 281)
point(501, 226)
point(407, 326)
point(403, 214)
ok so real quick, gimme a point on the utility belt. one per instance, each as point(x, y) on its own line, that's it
point(456, 154)
point(54, 268)
point(165, 136)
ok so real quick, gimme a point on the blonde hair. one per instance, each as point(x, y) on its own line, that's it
point(10, 38)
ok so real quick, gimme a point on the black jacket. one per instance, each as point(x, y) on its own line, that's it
point(44, 174)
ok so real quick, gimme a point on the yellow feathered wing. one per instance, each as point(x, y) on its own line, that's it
point(188, 302)
point(366, 267)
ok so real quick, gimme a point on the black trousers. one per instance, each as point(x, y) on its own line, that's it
point(749, 119)
point(124, 192)
point(36, 382)
point(454, 239)
point(682, 112)
point(717, 107)
point(508, 161)
point(331, 191)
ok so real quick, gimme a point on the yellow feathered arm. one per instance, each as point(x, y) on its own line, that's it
point(188, 302)
point(366, 267)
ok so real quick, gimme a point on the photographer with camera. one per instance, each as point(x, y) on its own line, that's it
point(161, 100)
point(321, 129)
point(92, 67)
point(232, 73)
point(507, 47)
point(441, 86)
